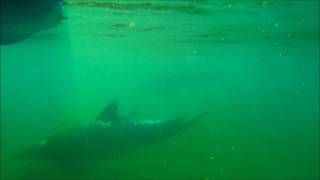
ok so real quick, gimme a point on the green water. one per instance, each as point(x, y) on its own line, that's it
point(252, 65)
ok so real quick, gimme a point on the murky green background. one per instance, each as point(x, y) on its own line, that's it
point(253, 65)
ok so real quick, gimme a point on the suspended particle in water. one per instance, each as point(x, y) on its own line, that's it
point(132, 24)
point(43, 142)
point(194, 51)
point(264, 3)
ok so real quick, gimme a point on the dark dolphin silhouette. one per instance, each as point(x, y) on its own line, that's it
point(108, 136)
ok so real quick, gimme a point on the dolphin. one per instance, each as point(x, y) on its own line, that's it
point(107, 137)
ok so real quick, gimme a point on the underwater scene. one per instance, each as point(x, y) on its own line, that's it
point(160, 89)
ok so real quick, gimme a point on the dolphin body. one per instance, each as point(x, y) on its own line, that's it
point(108, 136)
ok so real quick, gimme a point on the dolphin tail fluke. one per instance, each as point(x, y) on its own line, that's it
point(200, 116)
point(195, 119)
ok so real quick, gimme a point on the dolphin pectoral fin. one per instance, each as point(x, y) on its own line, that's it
point(28, 153)
point(110, 113)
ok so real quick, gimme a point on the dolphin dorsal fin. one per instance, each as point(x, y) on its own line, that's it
point(110, 113)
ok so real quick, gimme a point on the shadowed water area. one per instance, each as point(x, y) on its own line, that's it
point(252, 67)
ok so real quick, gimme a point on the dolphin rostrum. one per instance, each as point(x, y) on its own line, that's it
point(108, 136)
